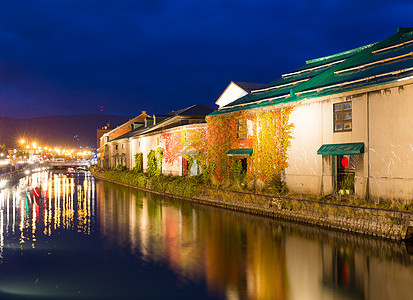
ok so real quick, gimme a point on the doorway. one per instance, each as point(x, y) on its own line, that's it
point(346, 168)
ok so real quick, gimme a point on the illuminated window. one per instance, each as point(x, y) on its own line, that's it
point(242, 130)
point(342, 117)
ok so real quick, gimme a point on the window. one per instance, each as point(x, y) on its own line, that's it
point(342, 117)
point(244, 165)
point(116, 147)
point(242, 129)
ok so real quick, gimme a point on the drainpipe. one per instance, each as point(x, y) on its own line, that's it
point(322, 156)
point(368, 147)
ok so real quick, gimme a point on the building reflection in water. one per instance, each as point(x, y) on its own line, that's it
point(242, 256)
point(235, 255)
point(44, 203)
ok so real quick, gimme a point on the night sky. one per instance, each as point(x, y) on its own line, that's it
point(65, 57)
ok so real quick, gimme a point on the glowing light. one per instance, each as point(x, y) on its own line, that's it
point(344, 162)
point(36, 192)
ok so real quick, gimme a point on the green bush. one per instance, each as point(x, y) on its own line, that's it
point(127, 177)
point(120, 168)
point(183, 186)
point(142, 180)
point(176, 185)
point(158, 183)
point(138, 163)
point(159, 158)
point(237, 173)
point(278, 186)
point(151, 167)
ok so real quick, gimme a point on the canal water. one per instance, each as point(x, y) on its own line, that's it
point(66, 235)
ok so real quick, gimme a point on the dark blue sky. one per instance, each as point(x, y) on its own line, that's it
point(72, 57)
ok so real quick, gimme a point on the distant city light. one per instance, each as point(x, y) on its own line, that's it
point(3, 183)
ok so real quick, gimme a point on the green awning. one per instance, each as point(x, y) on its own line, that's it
point(341, 149)
point(240, 152)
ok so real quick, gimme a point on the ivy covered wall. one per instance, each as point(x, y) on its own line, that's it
point(190, 140)
point(269, 135)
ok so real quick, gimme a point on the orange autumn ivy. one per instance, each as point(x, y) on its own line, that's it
point(183, 140)
point(173, 144)
point(271, 137)
point(220, 135)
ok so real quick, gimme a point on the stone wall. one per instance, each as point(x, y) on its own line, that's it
point(382, 223)
point(387, 224)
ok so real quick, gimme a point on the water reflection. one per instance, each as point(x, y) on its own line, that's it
point(44, 203)
point(134, 242)
point(243, 256)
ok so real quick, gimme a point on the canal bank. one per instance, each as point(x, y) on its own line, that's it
point(377, 222)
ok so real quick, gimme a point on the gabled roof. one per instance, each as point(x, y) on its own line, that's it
point(194, 110)
point(236, 90)
point(128, 134)
point(373, 64)
point(249, 86)
point(133, 120)
point(197, 110)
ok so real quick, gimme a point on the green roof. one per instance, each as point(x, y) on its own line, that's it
point(341, 149)
point(240, 152)
point(374, 64)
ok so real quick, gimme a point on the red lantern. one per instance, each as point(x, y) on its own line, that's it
point(344, 162)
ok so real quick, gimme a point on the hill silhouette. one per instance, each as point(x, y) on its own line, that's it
point(66, 131)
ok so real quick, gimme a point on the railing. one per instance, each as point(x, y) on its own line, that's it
point(6, 178)
point(69, 163)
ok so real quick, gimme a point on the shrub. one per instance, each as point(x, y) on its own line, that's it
point(138, 163)
point(177, 185)
point(120, 168)
point(278, 186)
point(183, 186)
point(237, 173)
point(142, 180)
point(158, 183)
point(155, 162)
